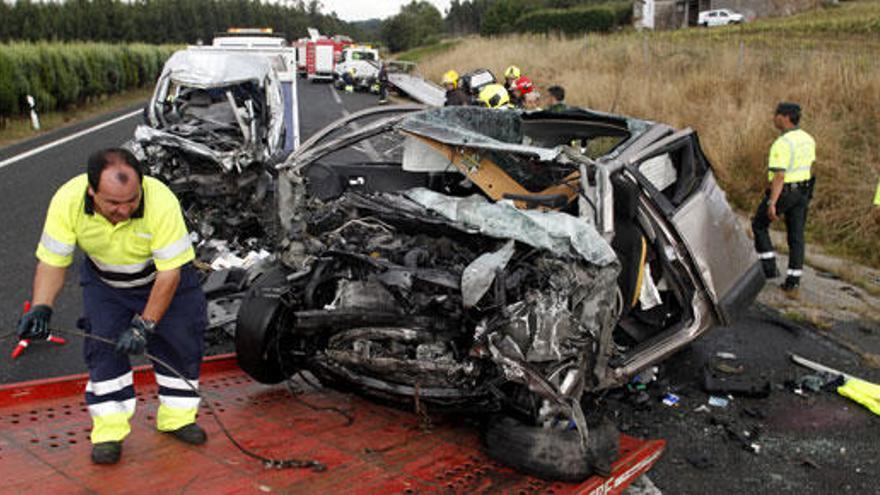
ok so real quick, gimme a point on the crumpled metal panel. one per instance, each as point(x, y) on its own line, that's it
point(478, 276)
point(560, 233)
point(475, 127)
point(145, 136)
point(203, 69)
point(210, 69)
point(567, 320)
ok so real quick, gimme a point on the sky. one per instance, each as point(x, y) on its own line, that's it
point(359, 10)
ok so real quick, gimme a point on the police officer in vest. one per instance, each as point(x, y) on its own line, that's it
point(140, 290)
point(788, 195)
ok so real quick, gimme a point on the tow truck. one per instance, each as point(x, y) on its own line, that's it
point(365, 62)
point(364, 447)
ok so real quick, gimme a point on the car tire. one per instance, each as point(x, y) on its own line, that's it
point(551, 453)
point(256, 328)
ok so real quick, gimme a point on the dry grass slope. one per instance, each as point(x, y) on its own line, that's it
point(725, 83)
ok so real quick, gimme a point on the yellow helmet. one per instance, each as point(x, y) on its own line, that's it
point(511, 72)
point(494, 96)
point(451, 77)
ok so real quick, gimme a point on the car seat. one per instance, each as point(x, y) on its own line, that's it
point(628, 243)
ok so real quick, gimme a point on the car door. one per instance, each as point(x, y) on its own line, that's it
point(678, 178)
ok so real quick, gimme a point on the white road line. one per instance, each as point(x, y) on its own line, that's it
point(335, 94)
point(40, 149)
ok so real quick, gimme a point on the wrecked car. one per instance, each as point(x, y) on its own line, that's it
point(504, 264)
point(215, 130)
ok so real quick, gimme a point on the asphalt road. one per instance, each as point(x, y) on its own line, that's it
point(26, 187)
point(818, 443)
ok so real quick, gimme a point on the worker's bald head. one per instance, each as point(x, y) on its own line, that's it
point(118, 175)
point(115, 184)
point(124, 164)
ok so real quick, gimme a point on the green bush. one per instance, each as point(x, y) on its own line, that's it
point(60, 75)
point(578, 20)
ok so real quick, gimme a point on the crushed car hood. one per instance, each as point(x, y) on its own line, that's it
point(562, 234)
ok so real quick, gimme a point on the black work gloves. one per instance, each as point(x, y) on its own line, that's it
point(34, 325)
point(134, 339)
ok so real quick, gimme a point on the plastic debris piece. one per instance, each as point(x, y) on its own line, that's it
point(725, 355)
point(716, 401)
point(671, 400)
point(813, 383)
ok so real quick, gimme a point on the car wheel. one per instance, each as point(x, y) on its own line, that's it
point(553, 454)
point(256, 328)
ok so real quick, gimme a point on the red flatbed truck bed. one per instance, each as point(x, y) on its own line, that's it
point(44, 445)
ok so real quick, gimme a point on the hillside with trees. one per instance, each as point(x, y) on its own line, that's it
point(420, 23)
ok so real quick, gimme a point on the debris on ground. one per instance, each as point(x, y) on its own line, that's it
point(699, 459)
point(734, 384)
point(671, 400)
point(642, 486)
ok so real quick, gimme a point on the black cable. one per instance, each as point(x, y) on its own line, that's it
point(267, 462)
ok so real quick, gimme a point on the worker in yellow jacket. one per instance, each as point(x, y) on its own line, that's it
point(140, 290)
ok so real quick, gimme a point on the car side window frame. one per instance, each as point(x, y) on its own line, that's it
point(695, 177)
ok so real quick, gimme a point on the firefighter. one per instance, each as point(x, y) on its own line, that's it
point(557, 99)
point(788, 194)
point(140, 290)
point(494, 96)
point(455, 96)
point(511, 74)
point(348, 79)
point(521, 87)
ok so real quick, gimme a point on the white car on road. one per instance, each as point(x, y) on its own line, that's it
point(719, 17)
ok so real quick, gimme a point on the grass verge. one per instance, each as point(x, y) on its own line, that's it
point(19, 128)
point(421, 52)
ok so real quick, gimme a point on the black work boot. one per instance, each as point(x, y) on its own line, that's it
point(791, 287)
point(192, 434)
point(770, 270)
point(106, 452)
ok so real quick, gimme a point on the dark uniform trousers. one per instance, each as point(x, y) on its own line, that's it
point(177, 340)
point(792, 205)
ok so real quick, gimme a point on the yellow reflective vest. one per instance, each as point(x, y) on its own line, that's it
point(124, 255)
point(793, 153)
point(877, 195)
point(865, 393)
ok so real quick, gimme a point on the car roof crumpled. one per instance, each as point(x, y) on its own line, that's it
point(210, 69)
point(475, 127)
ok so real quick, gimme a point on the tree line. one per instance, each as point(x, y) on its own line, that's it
point(157, 21)
point(188, 21)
